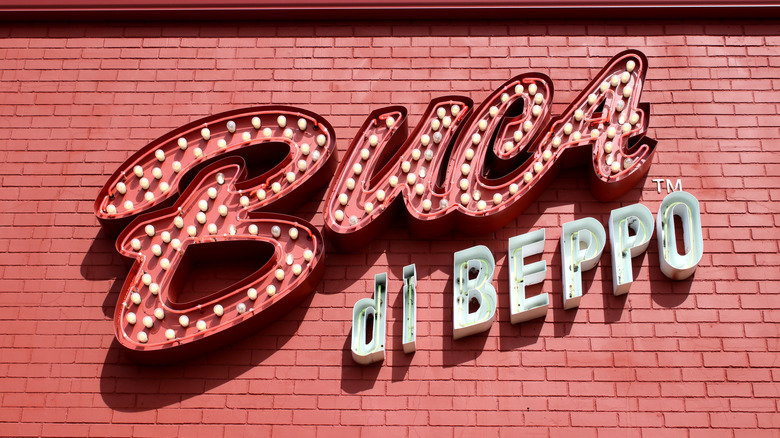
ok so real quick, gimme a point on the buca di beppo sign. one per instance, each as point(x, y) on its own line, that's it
point(463, 167)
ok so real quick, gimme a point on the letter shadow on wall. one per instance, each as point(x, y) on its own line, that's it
point(128, 386)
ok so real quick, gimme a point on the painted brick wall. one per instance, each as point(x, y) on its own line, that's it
point(698, 358)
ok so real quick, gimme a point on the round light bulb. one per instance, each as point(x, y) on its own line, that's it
point(270, 290)
point(241, 308)
point(130, 317)
point(184, 321)
point(182, 143)
point(135, 244)
point(293, 233)
point(143, 337)
point(219, 310)
point(201, 325)
point(253, 229)
point(251, 293)
point(205, 133)
point(170, 334)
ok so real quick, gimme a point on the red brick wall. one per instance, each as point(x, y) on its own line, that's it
point(696, 357)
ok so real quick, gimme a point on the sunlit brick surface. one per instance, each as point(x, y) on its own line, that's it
point(694, 358)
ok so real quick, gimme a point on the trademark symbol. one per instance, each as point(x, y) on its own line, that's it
point(676, 187)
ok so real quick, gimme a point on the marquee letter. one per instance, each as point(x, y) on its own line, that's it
point(476, 171)
point(625, 246)
point(217, 206)
point(686, 207)
point(374, 350)
point(522, 275)
point(473, 280)
point(582, 242)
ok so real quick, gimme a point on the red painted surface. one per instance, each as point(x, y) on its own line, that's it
point(693, 358)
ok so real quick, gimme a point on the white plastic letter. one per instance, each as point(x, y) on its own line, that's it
point(639, 219)
point(373, 351)
point(479, 262)
point(582, 242)
point(686, 207)
point(410, 309)
point(521, 275)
